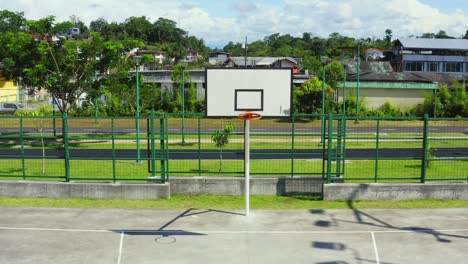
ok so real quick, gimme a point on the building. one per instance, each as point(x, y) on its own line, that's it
point(262, 62)
point(378, 83)
point(441, 56)
point(218, 58)
point(9, 92)
point(158, 55)
point(374, 54)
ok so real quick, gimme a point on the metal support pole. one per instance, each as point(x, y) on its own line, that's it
point(425, 153)
point(377, 150)
point(113, 148)
point(322, 139)
point(247, 165)
point(183, 105)
point(153, 146)
point(66, 146)
point(344, 91)
point(330, 147)
point(358, 76)
point(23, 169)
point(292, 145)
point(137, 115)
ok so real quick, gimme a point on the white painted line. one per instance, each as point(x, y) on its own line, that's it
point(120, 247)
point(377, 260)
point(234, 231)
point(389, 129)
point(258, 129)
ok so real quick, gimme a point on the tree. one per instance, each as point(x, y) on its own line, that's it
point(11, 21)
point(388, 35)
point(466, 34)
point(18, 51)
point(38, 120)
point(308, 98)
point(221, 139)
point(69, 70)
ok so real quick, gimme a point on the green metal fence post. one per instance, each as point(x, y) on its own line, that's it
point(330, 147)
point(162, 138)
point(66, 146)
point(377, 150)
point(153, 146)
point(113, 147)
point(425, 148)
point(199, 146)
point(23, 169)
point(293, 128)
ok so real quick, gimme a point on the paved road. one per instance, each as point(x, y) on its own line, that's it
point(69, 236)
point(409, 153)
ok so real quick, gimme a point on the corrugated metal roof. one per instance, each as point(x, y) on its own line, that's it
point(429, 43)
point(260, 61)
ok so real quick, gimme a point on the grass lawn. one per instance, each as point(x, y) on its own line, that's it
point(178, 202)
point(128, 170)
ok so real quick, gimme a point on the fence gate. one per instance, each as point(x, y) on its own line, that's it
point(157, 142)
point(333, 166)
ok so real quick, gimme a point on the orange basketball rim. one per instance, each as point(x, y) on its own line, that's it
point(249, 116)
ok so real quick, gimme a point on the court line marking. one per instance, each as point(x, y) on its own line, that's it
point(377, 260)
point(120, 247)
point(175, 232)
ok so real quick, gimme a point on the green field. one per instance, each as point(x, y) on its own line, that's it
point(128, 170)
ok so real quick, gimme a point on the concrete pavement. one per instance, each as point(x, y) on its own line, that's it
point(52, 235)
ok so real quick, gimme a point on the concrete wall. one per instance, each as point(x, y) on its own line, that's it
point(235, 186)
point(84, 190)
point(387, 191)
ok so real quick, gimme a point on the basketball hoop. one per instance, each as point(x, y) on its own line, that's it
point(249, 116)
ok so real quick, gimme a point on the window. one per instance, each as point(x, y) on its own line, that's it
point(433, 66)
point(453, 67)
point(414, 66)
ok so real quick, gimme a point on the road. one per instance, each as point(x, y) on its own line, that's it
point(406, 153)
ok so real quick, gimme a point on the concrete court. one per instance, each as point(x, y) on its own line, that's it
point(47, 235)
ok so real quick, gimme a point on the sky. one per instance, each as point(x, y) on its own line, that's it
point(221, 21)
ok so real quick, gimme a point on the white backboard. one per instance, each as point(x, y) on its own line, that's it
point(232, 91)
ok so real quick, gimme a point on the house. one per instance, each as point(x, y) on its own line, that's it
point(217, 58)
point(158, 55)
point(374, 54)
point(192, 55)
point(9, 92)
point(441, 56)
point(262, 62)
point(378, 83)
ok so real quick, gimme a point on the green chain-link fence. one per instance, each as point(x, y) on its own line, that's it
point(371, 149)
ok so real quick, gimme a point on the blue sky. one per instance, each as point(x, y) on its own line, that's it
point(221, 21)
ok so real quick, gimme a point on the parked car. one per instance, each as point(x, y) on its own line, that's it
point(10, 108)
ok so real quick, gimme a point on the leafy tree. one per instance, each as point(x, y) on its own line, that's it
point(166, 30)
point(221, 139)
point(69, 70)
point(11, 21)
point(388, 35)
point(308, 97)
point(334, 73)
point(466, 35)
point(39, 122)
point(18, 51)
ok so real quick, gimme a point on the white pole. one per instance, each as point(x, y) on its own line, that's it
point(247, 165)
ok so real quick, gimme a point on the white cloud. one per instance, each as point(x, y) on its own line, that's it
point(257, 19)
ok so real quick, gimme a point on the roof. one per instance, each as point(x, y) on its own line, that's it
point(429, 43)
point(381, 71)
point(369, 66)
point(259, 61)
